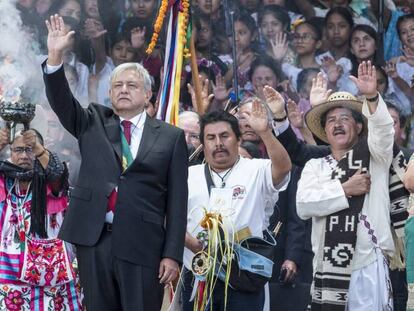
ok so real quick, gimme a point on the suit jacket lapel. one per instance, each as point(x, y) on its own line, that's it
point(113, 132)
point(149, 136)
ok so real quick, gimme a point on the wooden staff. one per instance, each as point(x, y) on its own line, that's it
point(194, 74)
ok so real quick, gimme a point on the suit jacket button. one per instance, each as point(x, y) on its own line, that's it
point(122, 178)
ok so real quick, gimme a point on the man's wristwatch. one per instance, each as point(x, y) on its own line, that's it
point(280, 119)
point(372, 99)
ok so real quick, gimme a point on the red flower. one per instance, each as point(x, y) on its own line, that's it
point(49, 253)
point(35, 251)
point(32, 275)
point(62, 275)
point(14, 300)
point(58, 301)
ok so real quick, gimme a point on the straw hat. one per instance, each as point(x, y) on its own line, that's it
point(335, 100)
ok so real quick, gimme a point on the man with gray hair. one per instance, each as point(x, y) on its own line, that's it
point(189, 122)
point(128, 209)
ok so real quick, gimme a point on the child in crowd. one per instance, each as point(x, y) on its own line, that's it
point(69, 8)
point(143, 9)
point(306, 39)
point(400, 70)
point(297, 111)
point(264, 71)
point(207, 46)
point(338, 23)
point(42, 7)
point(121, 51)
point(246, 36)
point(250, 6)
point(210, 8)
point(294, 16)
point(90, 7)
point(91, 19)
point(335, 62)
point(140, 36)
point(274, 26)
point(358, 10)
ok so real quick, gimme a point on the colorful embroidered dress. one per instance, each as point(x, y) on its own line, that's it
point(46, 264)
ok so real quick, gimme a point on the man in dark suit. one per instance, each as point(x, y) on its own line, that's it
point(293, 255)
point(127, 214)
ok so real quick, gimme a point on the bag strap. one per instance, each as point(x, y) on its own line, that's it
point(209, 180)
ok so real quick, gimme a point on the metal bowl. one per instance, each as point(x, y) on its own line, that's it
point(18, 112)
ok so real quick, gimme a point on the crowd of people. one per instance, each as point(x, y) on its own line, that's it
point(315, 151)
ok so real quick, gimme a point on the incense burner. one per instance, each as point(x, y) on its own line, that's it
point(14, 113)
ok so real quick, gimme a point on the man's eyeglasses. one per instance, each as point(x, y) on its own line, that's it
point(305, 37)
point(192, 136)
point(20, 150)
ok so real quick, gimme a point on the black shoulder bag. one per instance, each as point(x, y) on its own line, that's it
point(253, 257)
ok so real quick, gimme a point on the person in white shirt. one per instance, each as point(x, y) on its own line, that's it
point(346, 193)
point(252, 185)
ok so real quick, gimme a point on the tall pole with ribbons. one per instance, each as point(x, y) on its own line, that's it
point(175, 50)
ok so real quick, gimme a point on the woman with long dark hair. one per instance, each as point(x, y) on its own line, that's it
point(364, 46)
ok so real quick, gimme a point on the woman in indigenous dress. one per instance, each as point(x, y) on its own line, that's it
point(35, 270)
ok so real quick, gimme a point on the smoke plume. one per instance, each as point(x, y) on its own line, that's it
point(20, 59)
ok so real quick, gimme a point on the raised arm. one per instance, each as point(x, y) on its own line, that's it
point(299, 152)
point(258, 120)
point(73, 117)
point(297, 119)
point(95, 32)
point(380, 123)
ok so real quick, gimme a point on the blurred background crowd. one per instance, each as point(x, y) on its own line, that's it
point(277, 43)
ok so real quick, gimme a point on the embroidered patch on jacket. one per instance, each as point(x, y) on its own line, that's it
point(239, 192)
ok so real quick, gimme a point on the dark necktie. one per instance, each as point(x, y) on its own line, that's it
point(127, 130)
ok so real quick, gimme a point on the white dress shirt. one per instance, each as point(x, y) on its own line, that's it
point(137, 128)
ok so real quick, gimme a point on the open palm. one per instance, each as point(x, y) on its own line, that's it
point(367, 79)
point(258, 119)
point(59, 37)
point(295, 116)
point(319, 92)
point(274, 101)
point(205, 97)
point(279, 46)
point(221, 93)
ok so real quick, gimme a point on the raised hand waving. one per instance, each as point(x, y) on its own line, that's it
point(319, 92)
point(59, 39)
point(367, 79)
